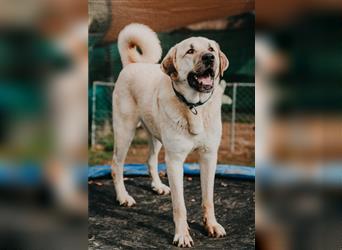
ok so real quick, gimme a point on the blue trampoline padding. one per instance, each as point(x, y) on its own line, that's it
point(232, 171)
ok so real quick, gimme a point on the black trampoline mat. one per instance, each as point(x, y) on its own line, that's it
point(149, 223)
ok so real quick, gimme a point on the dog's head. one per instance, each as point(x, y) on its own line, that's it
point(196, 61)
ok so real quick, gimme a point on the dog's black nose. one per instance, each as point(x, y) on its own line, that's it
point(208, 58)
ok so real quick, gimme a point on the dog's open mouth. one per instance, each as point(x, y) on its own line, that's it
point(202, 82)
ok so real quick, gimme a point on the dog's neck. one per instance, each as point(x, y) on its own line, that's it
point(191, 105)
point(188, 97)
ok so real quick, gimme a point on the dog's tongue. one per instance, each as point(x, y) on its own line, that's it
point(205, 80)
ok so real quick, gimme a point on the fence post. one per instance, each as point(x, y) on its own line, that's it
point(232, 128)
point(93, 122)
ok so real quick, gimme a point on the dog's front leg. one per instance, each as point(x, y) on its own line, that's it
point(208, 162)
point(174, 163)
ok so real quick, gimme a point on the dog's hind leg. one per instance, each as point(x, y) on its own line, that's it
point(124, 129)
point(152, 163)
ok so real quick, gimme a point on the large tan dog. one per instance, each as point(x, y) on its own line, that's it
point(179, 104)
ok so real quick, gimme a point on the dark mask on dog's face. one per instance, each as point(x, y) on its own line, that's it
point(196, 61)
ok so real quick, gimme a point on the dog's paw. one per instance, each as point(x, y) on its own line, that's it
point(161, 189)
point(183, 240)
point(215, 230)
point(126, 200)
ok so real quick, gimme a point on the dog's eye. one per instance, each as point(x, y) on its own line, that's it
point(211, 49)
point(190, 51)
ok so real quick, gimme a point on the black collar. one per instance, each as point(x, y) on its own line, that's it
point(191, 106)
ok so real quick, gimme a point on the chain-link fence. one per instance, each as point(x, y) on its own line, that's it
point(242, 112)
point(237, 115)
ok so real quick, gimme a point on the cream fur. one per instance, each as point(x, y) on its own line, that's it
point(140, 35)
point(143, 93)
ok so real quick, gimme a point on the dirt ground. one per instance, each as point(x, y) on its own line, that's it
point(149, 224)
point(138, 152)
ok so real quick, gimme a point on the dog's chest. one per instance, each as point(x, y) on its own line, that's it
point(199, 133)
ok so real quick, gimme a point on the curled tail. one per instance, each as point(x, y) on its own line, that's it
point(138, 43)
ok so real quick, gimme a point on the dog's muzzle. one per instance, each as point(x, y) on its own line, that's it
point(202, 79)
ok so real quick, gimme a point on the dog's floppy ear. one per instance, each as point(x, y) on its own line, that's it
point(168, 65)
point(224, 63)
